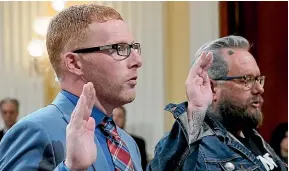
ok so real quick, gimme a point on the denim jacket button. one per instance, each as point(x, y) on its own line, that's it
point(229, 166)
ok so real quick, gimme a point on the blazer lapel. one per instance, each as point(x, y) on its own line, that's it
point(66, 107)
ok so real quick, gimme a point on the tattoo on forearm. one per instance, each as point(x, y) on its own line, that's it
point(196, 123)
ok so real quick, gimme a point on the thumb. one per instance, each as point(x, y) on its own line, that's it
point(90, 124)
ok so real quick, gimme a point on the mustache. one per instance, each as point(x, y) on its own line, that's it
point(235, 116)
point(258, 99)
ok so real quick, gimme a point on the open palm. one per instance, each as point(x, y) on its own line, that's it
point(80, 145)
point(198, 86)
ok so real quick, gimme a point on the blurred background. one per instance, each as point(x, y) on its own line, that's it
point(169, 33)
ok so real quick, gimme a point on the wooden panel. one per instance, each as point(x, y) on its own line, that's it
point(177, 54)
point(223, 15)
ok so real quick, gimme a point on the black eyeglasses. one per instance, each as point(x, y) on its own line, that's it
point(123, 49)
point(248, 80)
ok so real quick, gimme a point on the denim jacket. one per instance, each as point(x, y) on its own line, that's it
point(215, 149)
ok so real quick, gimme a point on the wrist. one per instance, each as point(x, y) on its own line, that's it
point(69, 165)
point(192, 109)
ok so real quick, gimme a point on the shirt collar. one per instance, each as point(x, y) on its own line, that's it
point(97, 114)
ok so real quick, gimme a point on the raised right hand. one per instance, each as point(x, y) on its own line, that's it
point(198, 86)
point(80, 146)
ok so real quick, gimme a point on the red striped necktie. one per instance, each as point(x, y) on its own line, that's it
point(118, 149)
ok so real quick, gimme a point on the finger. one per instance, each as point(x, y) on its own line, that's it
point(204, 73)
point(198, 80)
point(206, 78)
point(77, 119)
point(79, 110)
point(90, 125)
point(203, 62)
point(93, 96)
point(72, 117)
point(208, 61)
point(89, 93)
point(196, 67)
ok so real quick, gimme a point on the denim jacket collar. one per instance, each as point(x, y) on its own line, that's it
point(233, 142)
point(176, 138)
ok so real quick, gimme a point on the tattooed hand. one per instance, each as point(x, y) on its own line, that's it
point(199, 92)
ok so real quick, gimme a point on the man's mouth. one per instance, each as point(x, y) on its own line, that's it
point(133, 80)
point(257, 103)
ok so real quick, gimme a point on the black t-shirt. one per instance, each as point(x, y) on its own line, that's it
point(256, 147)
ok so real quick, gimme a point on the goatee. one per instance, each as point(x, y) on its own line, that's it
point(236, 118)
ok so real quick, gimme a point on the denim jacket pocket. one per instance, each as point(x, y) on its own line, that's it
point(233, 163)
point(238, 167)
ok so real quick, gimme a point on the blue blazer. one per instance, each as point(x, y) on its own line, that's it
point(37, 142)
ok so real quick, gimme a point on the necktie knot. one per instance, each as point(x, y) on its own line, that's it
point(109, 128)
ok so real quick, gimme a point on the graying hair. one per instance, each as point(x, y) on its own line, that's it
point(219, 66)
point(10, 100)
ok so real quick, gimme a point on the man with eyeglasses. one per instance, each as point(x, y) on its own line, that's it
point(221, 134)
point(96, 59)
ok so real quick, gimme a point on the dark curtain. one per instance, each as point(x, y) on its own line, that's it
point(265, 25)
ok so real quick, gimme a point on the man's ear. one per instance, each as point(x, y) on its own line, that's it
point(73, 63)
point(214, 89)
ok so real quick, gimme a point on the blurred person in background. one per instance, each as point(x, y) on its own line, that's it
point(119, 117)
point(279, 141)
point(9, 109)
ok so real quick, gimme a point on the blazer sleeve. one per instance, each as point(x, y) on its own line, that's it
point(27, 146)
